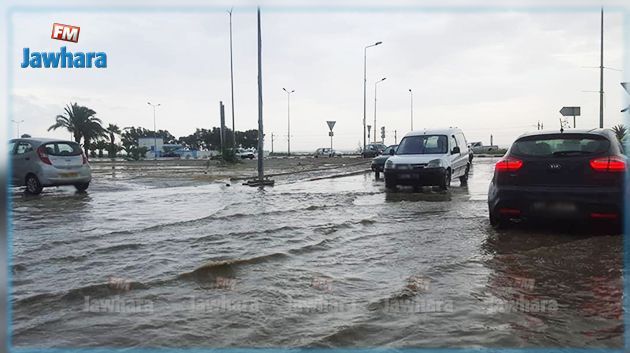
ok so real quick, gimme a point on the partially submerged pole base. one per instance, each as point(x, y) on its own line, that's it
point(260, 182)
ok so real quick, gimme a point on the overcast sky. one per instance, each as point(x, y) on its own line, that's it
point(487, 72)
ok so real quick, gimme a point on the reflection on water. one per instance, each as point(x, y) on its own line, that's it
point(325, 263)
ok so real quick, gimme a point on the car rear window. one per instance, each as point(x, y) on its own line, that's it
point(558, 145)
point(63, 149)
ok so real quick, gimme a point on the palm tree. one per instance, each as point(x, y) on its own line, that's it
point(621, 132)
point(113, 130)
point(81, 122)
point(100, 146)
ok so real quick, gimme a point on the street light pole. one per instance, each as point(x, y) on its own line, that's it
point(365, 91)
point(601, 73)
point(288, 119)
point(17, 123)
point(375, 85)
point(232, 83)
point(411, 98)
point(154, 130)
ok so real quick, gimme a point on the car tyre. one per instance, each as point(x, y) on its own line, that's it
point(82, 186)
point(497, 222)
point(390, 182)
point(447, 180)
point(464, 178)
point(33, 186)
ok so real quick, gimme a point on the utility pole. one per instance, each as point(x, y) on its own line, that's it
point(601, 74)
point(261, 173)
point(155, 151)
point(396, 137)
point(411, 98)
point(376, 85)
point(232, 82)
point(288, 119)
point(272, 142)
point(17, 124)
point(222, 131)
point(365, 91)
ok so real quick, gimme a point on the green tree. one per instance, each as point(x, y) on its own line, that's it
point(101, 145)
point(112, 130)
point(81, 122)
point(620, 131)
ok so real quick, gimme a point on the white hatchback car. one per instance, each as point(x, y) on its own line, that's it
point(37, 163)
point(429, 158)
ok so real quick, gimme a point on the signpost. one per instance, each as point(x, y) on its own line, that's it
point(331, 125)
point(570, 111)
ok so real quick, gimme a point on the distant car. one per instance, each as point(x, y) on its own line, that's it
point(428, 158)
point(559, 175)
point(38, 163)
point(246, 153)
point(373, 149)
point(326, 152)
point(378, 163)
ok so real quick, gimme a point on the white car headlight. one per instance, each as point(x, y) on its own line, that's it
point(389, 164)
point(436, 163)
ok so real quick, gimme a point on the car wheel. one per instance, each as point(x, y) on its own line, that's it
point(33, 186)
point(447, 180)
point(82, 186)
point(497, 222)
point(390, 182)
point(464, 178)
point(377, 175)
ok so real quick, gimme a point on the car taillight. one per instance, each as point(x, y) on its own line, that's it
point(508, 164)
point(85, 160)
point(608, 164)
point(43, 156)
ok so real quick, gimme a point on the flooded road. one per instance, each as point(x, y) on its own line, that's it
point(322, 263)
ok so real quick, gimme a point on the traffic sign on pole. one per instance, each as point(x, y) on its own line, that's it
point(570, 111)
point(331, 125)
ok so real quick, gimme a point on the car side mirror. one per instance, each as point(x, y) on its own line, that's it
point(456, 150)
point(392, 152)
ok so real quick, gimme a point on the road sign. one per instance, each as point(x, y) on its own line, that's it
point(570, 111)
point(331, 125)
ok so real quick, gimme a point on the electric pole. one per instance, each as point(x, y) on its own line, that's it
point(601, 74)
point(232, 83)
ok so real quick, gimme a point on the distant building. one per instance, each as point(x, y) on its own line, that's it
point(151, 145)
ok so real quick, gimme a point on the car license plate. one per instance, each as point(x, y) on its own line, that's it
point(556, 207)
point(68, 175)
point(404, 176)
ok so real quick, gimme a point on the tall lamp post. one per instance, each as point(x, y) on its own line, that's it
point(17, 124)
point(288, 119)
point(411, 98)
point(232, 83)
point(154, 130)
point(375, 86)
point(365, 90)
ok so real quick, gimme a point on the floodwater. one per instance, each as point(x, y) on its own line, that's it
point(324, 263)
